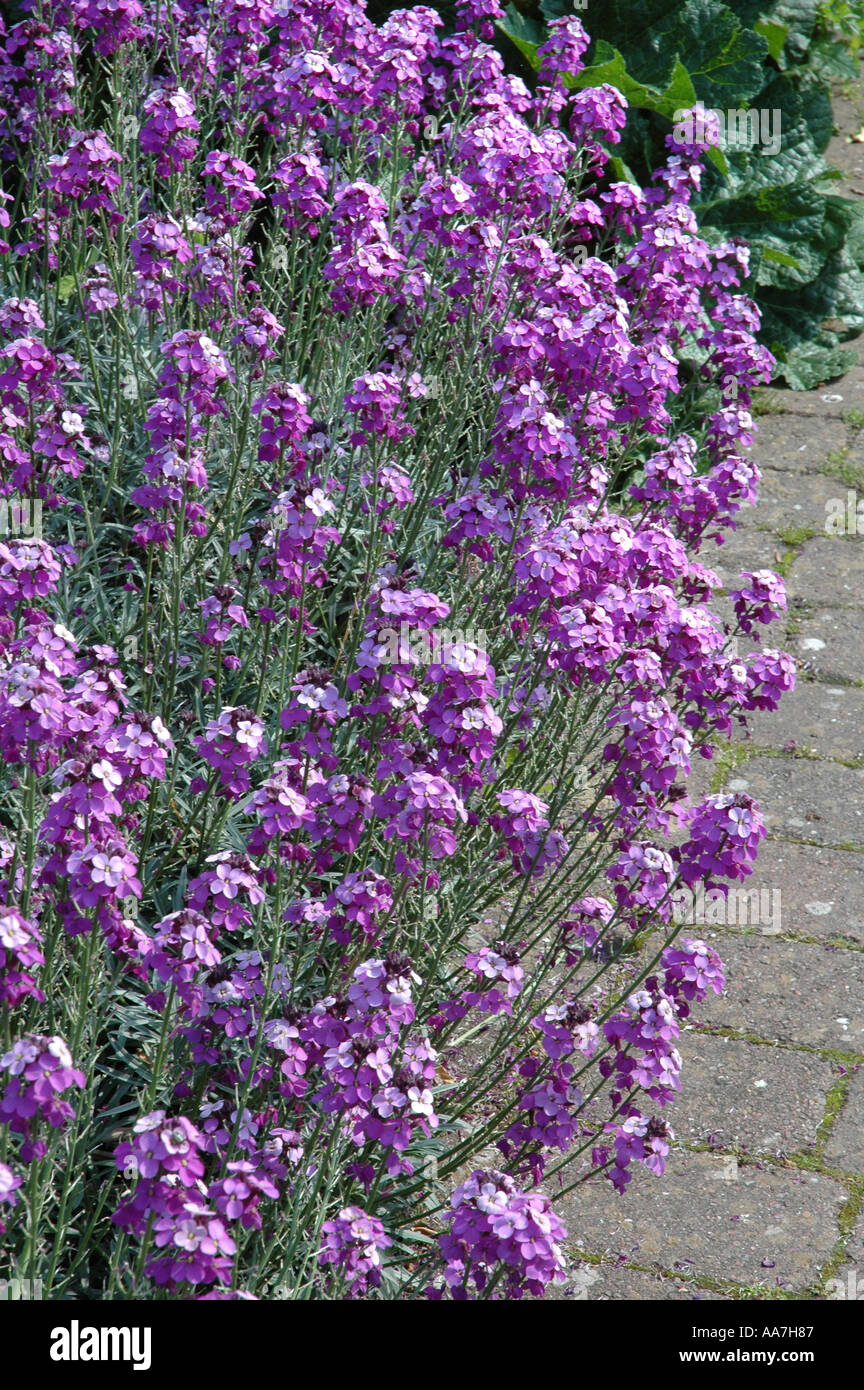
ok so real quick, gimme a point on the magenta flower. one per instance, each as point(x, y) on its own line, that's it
point(492, 1224)
point(20, 950)
point(353, 1245)
point(40, 1069)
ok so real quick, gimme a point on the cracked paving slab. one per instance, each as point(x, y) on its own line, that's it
point(805, 798)
point(788, 991)
point(763, 1228)
point(821, 890)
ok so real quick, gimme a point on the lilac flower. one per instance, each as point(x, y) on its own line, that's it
point(562, 51)
point(29, 569)
point(301, 191)
point(195, 363)
point(232, 188)
point(237, 1195)
point(725, 832)
point(115, 21)
point(353, 1244)
point(646, 1141)
point(9, 1182)
point(40, 1069)
point(181, 948)
point(170, 127)
point(85, 172)
point(424, 805)
point(493, 1224)
point(20, 950)
point(759, 601)
point(691, 968)
point(197, 1246)
point(221, 891)
point(20, 318)
point(493, 964)
point(233, 742)
point(162, 1145)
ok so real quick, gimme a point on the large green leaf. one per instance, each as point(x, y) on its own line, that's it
point(609, 66)
point(800, 17)
point(800, 97)
point(774, 35)
point(855, 237)
point(722, 57)
point(807, 365)
point(832, 61)
point(524, 33)
point(748, 11)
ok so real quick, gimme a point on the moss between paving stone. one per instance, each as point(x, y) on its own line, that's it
point(846, 1218)
point(804, 753)
point(797, 535)
point(727, 757)
point(767, 402)
point(834, 1103)
point(848, 846)
point(751, 1293)
point(840, 464)
point(834, 943)
point(722, 1030)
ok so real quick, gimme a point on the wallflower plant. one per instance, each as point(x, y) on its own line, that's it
point(325, 968)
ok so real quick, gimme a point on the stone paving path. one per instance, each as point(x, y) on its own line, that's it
point(763, 1196)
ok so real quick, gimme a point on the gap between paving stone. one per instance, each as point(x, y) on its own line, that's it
point(767, 1229)
point(788, 991)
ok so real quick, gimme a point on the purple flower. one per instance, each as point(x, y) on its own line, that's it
point(233, 741)
point(353, 1244)
point(494, 1224)
point(40, 1070)
point(20, 950)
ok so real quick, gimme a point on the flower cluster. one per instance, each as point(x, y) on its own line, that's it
point(353, 1243)
point(20, 950)
point(493, 1225)
point(38, 1070)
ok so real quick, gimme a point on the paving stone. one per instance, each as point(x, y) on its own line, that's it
point(735, 1093)
point(694, 1220)
point(833, 399)
point(832, 642)
point(793, 499)
point(821, 890)
point(842, 152)
point(788, 991)
point(855, 459)
point(829, 719)
point(845, 1147)
point(805, 799)
point(848, 158)
point(828, 570)
point(601, 1283)
point(744, 549)
point(795, 444)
